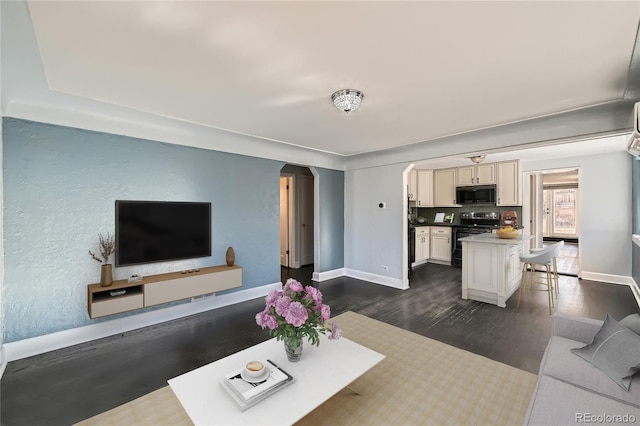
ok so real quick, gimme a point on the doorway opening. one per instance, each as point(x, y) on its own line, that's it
point(296, 222)
point(555, 214)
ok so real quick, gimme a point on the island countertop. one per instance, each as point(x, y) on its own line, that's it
point(491, 238)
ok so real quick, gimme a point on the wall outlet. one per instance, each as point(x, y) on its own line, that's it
point(385, 267)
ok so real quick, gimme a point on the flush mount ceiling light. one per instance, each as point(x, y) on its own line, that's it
point(347, 99)
point(477, 158)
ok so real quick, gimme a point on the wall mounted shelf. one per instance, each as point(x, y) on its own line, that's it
point(123, 296)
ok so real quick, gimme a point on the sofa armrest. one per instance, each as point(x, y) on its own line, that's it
point(574, 327)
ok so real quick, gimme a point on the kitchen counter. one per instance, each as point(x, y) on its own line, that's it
point(494, 239)
point(416, 225)
point(491, 268)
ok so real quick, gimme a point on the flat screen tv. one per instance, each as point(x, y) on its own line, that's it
point(160, 231)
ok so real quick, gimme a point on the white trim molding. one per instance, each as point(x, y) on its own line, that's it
point(61, 339)
point(328, 275)
point(365, 276)
point(3, 361)
point(614, 279)
point(607, 278)
point(377, 279)
point(635, 289)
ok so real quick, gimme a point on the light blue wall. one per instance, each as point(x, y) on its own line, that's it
point(331, 204)
point(60, 184)
point(605, 221)
point(374, 236)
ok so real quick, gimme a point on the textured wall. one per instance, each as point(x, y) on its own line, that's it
point(60, 184)
point(374, 236)
point(331, 219)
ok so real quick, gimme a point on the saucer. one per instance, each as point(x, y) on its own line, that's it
point(258, 379)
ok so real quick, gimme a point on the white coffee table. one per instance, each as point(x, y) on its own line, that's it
point(321, 373)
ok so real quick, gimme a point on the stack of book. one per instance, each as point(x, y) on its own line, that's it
point(247, 392)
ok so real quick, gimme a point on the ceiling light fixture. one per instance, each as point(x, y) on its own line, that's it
point(347, 99)
point(477, 158)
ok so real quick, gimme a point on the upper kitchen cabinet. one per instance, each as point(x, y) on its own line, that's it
point(508, 185)
point(444, 184)
point(425, 188)
point(413, 185)
point(476, 174)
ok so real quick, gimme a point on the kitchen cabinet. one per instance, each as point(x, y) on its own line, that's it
point(425, 188)
point(508, 185)
point(441, 244)
point(413, 185)
point(422, 244)
point(476, 174)
point(491, 268)
point(444, 186)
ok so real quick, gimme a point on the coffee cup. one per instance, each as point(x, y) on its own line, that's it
point(254, 369)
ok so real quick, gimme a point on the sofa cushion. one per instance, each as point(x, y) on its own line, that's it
point(559, 362)
point(558, 403)
point(615, 350)
point(632, 322)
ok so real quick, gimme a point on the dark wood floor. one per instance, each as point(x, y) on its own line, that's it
point(71, 384)
point(567, 259)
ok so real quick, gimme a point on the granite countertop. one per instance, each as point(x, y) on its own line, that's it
point(494, 239)
point(415, 225)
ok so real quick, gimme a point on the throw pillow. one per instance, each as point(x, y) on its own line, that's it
point(615, 350)
point(632, 322)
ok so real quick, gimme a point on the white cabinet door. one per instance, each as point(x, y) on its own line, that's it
point(425, 188)
point(441, 243)
point(413, 185)
point(422, 243)
point(486, 174)
point(466, 176)
point(444, 183)
point(477, 174)
point(482, 272)
point(508, 187)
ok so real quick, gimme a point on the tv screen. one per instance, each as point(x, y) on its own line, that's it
point(158, 231)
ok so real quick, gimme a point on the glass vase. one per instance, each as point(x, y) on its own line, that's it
point(293, 352)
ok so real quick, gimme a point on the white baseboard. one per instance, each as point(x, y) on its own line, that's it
point(378, 279)
point(328, 275)
point(606, 278)
point(635, 288)
point(61, 339)
point(3, 361)
point(614, 279)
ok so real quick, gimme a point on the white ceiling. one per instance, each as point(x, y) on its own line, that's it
point(427, 69)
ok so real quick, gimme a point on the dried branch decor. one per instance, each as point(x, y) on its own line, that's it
point(107, 248)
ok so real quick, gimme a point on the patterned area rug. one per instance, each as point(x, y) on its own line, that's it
point(421, 381)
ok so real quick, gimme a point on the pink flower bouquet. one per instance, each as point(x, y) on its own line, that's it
point(297, 311)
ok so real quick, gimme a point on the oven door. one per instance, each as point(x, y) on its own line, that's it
point(461, 232)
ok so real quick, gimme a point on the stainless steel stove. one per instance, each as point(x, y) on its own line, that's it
point(471, 223)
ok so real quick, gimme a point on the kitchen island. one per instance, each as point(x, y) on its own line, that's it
point(491, 268)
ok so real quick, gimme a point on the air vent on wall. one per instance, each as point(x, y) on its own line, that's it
point(634, 143)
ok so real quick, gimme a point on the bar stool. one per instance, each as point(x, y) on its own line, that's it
point(542, 258)
point(558, 247)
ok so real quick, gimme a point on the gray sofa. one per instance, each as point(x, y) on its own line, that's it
point(572, 391)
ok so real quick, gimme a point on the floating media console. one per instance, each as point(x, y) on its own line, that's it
point(158, 289)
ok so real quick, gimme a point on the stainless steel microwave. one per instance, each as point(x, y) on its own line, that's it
point(476, 195)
